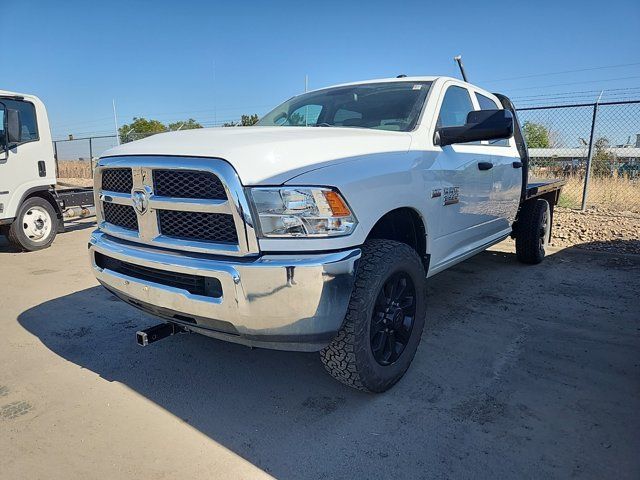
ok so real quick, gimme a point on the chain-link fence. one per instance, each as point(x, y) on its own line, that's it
point(75, 156)
point(593, 145)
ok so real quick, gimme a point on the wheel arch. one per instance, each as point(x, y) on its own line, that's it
point(46, 194)
point(405, 225)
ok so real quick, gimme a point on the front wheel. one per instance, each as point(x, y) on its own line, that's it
point(384, 321)
point(35, 225)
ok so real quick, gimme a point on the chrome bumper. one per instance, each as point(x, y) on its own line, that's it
point(286, 302)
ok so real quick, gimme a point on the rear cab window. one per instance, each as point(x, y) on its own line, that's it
point(487, 103)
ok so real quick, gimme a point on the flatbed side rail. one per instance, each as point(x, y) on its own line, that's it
point(538, 189)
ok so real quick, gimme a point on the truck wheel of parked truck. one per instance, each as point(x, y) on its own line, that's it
point(384, 321)
point(35, 226)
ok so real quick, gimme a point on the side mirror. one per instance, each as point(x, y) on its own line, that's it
point(14, 127)
point(480, 125)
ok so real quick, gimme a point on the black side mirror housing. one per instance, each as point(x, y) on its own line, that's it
point(480, 125)
point(13, 127)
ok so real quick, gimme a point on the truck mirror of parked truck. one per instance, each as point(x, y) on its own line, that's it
point(480, 125)
point(14, 127)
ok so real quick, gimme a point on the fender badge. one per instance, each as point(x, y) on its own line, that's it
point(451, 195)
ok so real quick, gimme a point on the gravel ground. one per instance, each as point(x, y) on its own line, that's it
point(597, 229)
point(522, 372)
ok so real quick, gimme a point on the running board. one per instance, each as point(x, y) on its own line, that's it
point(157, 332)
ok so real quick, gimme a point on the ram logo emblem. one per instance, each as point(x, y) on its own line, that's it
point(140, 200)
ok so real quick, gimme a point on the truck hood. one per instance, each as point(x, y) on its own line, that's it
point(270, 155)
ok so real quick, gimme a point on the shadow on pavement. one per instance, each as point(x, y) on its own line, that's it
point(476, 398)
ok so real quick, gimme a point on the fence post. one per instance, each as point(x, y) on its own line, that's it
point(587, 174)
point(90, 150)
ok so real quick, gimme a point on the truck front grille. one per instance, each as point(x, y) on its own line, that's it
point(188, 184)
point(122, 216)
point(207, 227)
point(117, 180)
point(194, 284)
point(186, 203)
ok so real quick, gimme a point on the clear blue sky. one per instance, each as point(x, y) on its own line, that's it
point(213, 60)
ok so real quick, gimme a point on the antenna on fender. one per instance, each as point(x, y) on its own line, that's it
point(458, 59)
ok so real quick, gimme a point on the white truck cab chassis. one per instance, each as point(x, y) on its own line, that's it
point(32, 210)
point(316, 229)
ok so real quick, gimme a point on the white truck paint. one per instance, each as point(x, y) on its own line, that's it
point(31, 210)
point(409, 197)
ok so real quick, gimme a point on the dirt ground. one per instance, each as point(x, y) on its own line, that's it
point(523, 372)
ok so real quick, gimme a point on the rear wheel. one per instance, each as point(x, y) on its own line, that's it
point(384, 321)
point(35, 225)
point(533, 231)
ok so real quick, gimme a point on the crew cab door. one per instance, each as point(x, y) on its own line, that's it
point(506, 171)
point(466, 214)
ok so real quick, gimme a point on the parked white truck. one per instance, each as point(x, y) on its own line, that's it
point(316, 229)
point(32, 210)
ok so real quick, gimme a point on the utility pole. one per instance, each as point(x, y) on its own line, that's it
point(115, 120)
point(215, 100)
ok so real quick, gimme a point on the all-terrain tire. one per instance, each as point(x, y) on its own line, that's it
point(533, 231)
point(349, 357)
point(17, 233)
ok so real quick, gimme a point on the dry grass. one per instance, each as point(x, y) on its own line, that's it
point(75, 169)
point(616, 193)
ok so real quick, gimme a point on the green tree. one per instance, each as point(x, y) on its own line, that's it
point(602, 159)
point(536, 135)
point(248, 120)
point(189, 124)
point(245, 121)
point(139, 128)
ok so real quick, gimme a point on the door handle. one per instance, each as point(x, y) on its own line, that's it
point(517, 164)
point(485, 165)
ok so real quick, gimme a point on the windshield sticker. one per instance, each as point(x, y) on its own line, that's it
point(417, 87)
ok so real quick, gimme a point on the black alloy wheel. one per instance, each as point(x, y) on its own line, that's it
point(393, 318)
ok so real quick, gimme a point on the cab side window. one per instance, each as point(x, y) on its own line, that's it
point(455, 107)
point(27, 118)
point(487, 104)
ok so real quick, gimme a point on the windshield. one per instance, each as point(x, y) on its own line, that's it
point(383, 106)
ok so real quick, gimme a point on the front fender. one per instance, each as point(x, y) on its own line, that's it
point(373, 185)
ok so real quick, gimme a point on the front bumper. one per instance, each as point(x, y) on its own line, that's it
point(285, 302)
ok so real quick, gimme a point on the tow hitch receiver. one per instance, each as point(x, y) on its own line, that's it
point(157, 332)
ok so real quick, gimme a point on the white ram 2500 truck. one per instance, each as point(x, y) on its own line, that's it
point(316, 229)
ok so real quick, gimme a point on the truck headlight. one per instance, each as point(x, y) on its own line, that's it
point(302, 212)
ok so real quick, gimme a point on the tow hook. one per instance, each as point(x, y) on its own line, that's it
point(158, 332)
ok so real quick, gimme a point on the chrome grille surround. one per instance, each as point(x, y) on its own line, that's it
point(149, 232)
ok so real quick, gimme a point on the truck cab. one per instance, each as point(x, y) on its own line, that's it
point(316, 229)
point(31, 209)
